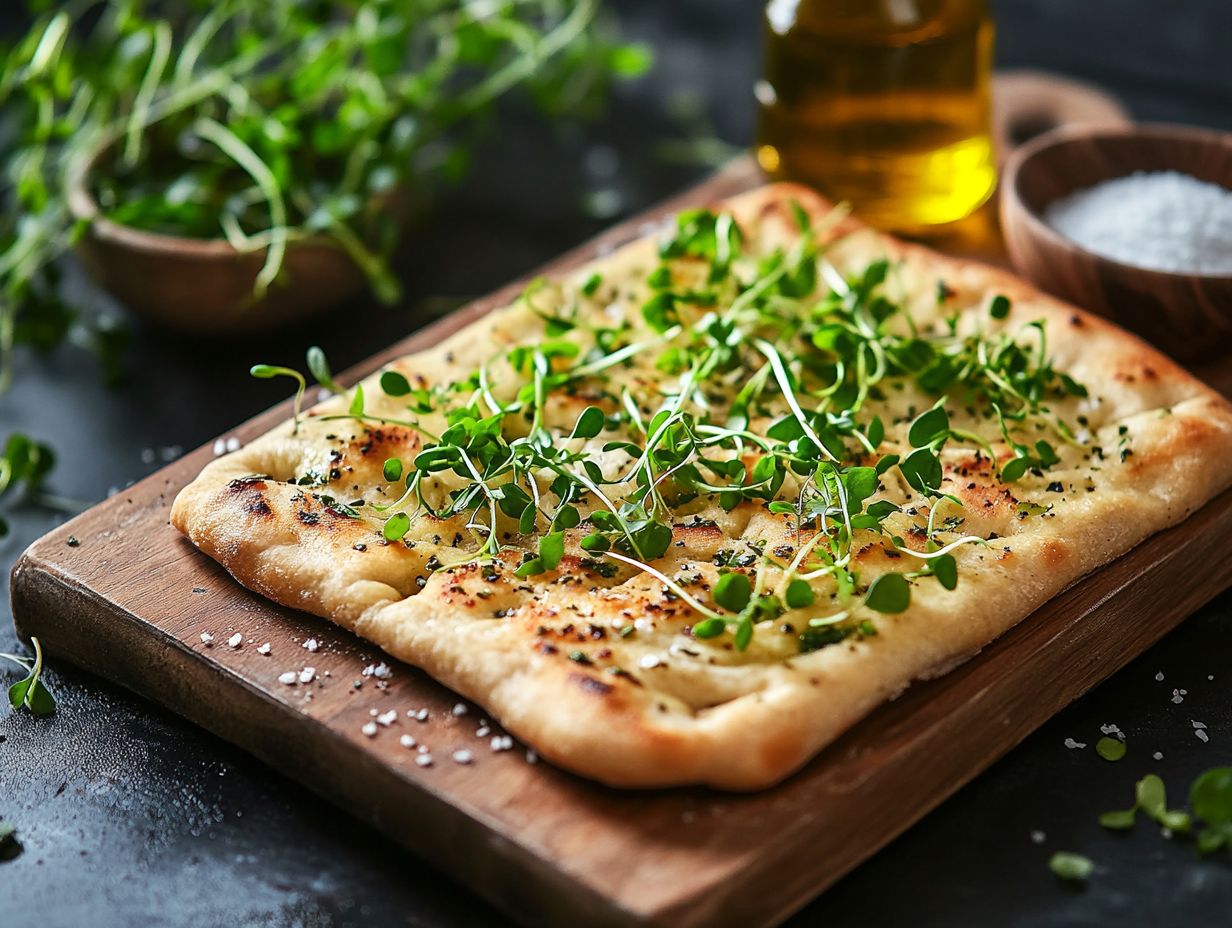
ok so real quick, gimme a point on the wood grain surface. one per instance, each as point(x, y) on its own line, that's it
point(119, 592)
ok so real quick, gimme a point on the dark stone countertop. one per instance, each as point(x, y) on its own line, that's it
point(132, 817)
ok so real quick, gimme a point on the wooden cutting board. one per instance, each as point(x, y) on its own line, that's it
point(119, 592)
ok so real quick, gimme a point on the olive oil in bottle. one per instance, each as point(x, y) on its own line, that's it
point(882, 103)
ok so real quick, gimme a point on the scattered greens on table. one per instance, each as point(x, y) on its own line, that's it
point(30, 692)
point(1210, 801)
point(23, 466)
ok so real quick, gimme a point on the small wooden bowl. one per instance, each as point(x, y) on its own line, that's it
point(205, 286)
point(1187, 315)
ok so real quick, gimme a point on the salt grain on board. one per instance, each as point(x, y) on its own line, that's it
point(1161, 220)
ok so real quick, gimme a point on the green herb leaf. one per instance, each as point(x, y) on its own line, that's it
point(889, 593)
point(709, 628)
point(999, 308)
point(392, 470)
point(396, 526)
point(945, 569)
point(318, 366)
point(732, 591)
point(394, 384)
point(798, 594)
point(589, 423)
point(1112, 749)
point(1070, 866)
point(1119, 820)
point(1211, 796)
point(30, 692)
point(930, 426)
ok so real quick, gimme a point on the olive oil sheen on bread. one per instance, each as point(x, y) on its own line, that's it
point(882, 103)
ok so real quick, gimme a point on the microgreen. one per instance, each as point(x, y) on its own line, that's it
point(889, 593)
point(269, 371)
point(1112, 749)
point(24, 465)
point(1151, 799)
point(768, 365)
point(1211, 800)
point(261, 122)
point(1070, 866)
point(30, 692)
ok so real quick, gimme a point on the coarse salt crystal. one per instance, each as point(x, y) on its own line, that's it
point(463, 757)
point(220, 448)
point(1038, 837)
point(459, 708)
point(233, 444)
point(1072, 744)
point(1178, 696)
point(382, 672)
point(264, 649)
point(388, 718)
point(311, 645)
point(1158, 755)
point(235, 640)
point(1160, 220)
point(649, 661)
point(1202, 735)
point(288, 678)
point(532, 757)
point(207, 639)
point(1110, 729)
point(1160, 676)
point(306, 675)
point(424, 760)
point(407, 741)
point(422, 715)
point(369, 729)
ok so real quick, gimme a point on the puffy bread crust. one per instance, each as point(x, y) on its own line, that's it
point(706, 718)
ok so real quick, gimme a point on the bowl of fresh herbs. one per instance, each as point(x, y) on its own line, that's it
point(224, 165)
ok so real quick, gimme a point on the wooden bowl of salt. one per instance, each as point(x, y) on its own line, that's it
point(1132, 222)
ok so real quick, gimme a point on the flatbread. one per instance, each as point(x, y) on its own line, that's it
point(592, 663)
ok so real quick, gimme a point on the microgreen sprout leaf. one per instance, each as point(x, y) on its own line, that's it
point(269, 371)
point(1112, 749)
point(889, 593)
point(930, 426)
point(798, 594)
point(396, 526)
point(732, 591)
point(709, 628)
point(1069, 866)
point(30, 692)
point(392, 470)
point(394, 384)
point(318, 366)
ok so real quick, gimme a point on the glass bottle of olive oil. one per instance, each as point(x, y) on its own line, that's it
point(883, 103)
